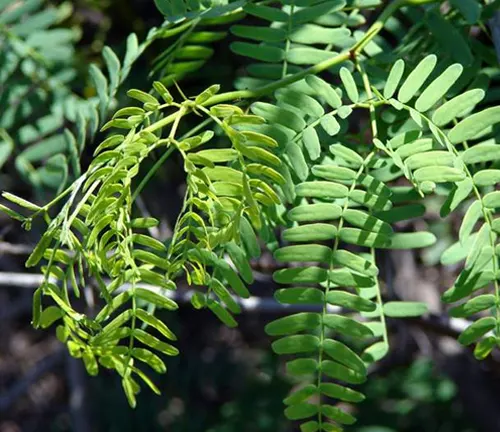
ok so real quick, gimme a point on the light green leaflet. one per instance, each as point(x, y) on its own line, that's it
point(416, 79)
point(471, 126)
point(349, 84)
point(457, 106)
point(438, 88)
point(394, 78)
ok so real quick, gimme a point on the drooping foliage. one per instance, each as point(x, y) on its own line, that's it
point(336, 132)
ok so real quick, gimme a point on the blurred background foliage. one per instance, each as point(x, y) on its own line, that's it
point(225, 380)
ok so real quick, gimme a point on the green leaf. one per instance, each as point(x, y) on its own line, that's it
point(310, 13)
point(404, 309)
point(301, 366)
point(300, 395)
point(344, 355)
point(416, 79)
point(240, 261)
point(297, 160)
point(438, 174)
point(301, 411)
point(265, 171)
point(156, 298)
point(340, 372)
point(222, 314)
point(333, 172)
point(404, 138)
point(416, 147)
point(90, 362)
point(101, 85)
point(165, 7)
point(492, 200)
point(155, 343)
point(266, 12)
point(349, 84)
point(218, 155)
point(303, 253)
point(394, 78)
point(260, 155)
point(249, 239)
point(470, 219)
point(363, 238)
point(163, 92)
point(113, 65)
point(151, 359)
point(311, 274)
point(474, 124)
point(324, 90)
point(274, 114)
point(311, 142)
point(466, 284)
point(402, 213)
point(347, 326)
point(40, 249)
point(375, 352)
point(457, 106)
point(259, 33)
point(311, 426)
point(343, 277)
point(12, 214)
point(232, 278)
point(154, 322)
point(293, 324)
point(367, 222)
point(473, 306)
point(348, 155)
point(415, 240)
point(330, 124)
point(259, 138)
point(438, 88)
point(128, 387)
point(476, 330)
point(459, 193)
point(481, 153)
point(487, 177)
point(206, 94)
point(49, 316)
point(350, 301)
point(296, 344)
point(314, 212)
point(341, 393)
point(198, 300)
point(484, 347)
point(299, 296)
point(354, 262)
point(321, 189)
point(258, 52)
point(142, 96)
point(21, 202)
point(336, 414)
point(311, 232)
point(301, 101)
